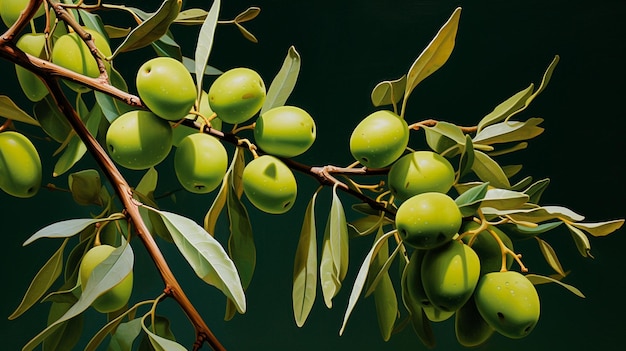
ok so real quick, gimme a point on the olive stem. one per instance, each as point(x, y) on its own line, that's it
point(66, 17)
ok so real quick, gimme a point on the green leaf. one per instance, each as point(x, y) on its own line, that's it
point(51, 120)
point(167, 46)
point(76, 149)
point(69, 332)
point(511, 170)
point(419, 321)
point(335, 253)
point(503, 199)
point(504, 109)
point(111, 326)
point(206, 256)
point(516, 147)
point(470, 200)
point(386, 306)
point(367, 225)
point(111, 107)
point(9, 110)
point(246, 33)
point(361, 277)
point(144, 193)
point(153, 28)
point(539, 214)
point(93, 21)
point(380, 267)
point(284, 81)
point(509, 131)
point(160, 343)
point(235, 167)
point(550, 255)
point(444, 136)
point(489, 170)
point(434, 55)
point(114, 32)
point(305, 266)
point(536, 189)
point(544, 82)
point(249, 14)
point(105, 276)
point(388, 92)
point(540, 279)
point(205, 43)
point(208, 71)
point(125, 334)
point(600, 228)
point(191, 14)
point(241, 241)
point(467, 158)
point(519, 232)
point(42, 281)
point(581, 240)
point(63, 229)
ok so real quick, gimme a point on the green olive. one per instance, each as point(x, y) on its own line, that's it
point(509, 302)
point(269, 184)
point(428, 220)
point(379, 139)
point(115, 298)
point(20, 165)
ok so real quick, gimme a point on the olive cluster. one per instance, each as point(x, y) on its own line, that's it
point(448, 274)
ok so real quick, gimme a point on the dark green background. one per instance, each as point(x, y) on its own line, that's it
point(347, 47)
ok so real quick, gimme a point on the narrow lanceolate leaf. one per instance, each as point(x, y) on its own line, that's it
point(105, 276)
point(205, 43)
point(160, 343)
point(444, 136)
point(111, 326)
point(241, 245)
point(601, 228)
point(233, 175)
point(284, 82)
point(536, 189)
point(467, 158)
point(76, 149)
point(550, 255)
point(419, 321)
point(384, 294)
point(361, 277)
point(190, 64)
point(581, 240)
point(489, 170)
point(153, 28)
point(470, 200)
point(305, 267)
point(9, 110)
point(335, 252)
point(540, 214)
point(241, 242)
point(43, 280)
point(540, 279)
point(51, 120)
point(388, 92)
point(125, 334)
point(509, 131)
point(504, 199)
point(544, 82)
point(67, 335)
point(435, 54)
point(63, 229)
point(504, 109)
point(206, 256)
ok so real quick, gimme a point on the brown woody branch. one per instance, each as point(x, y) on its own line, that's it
point(50, 74)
